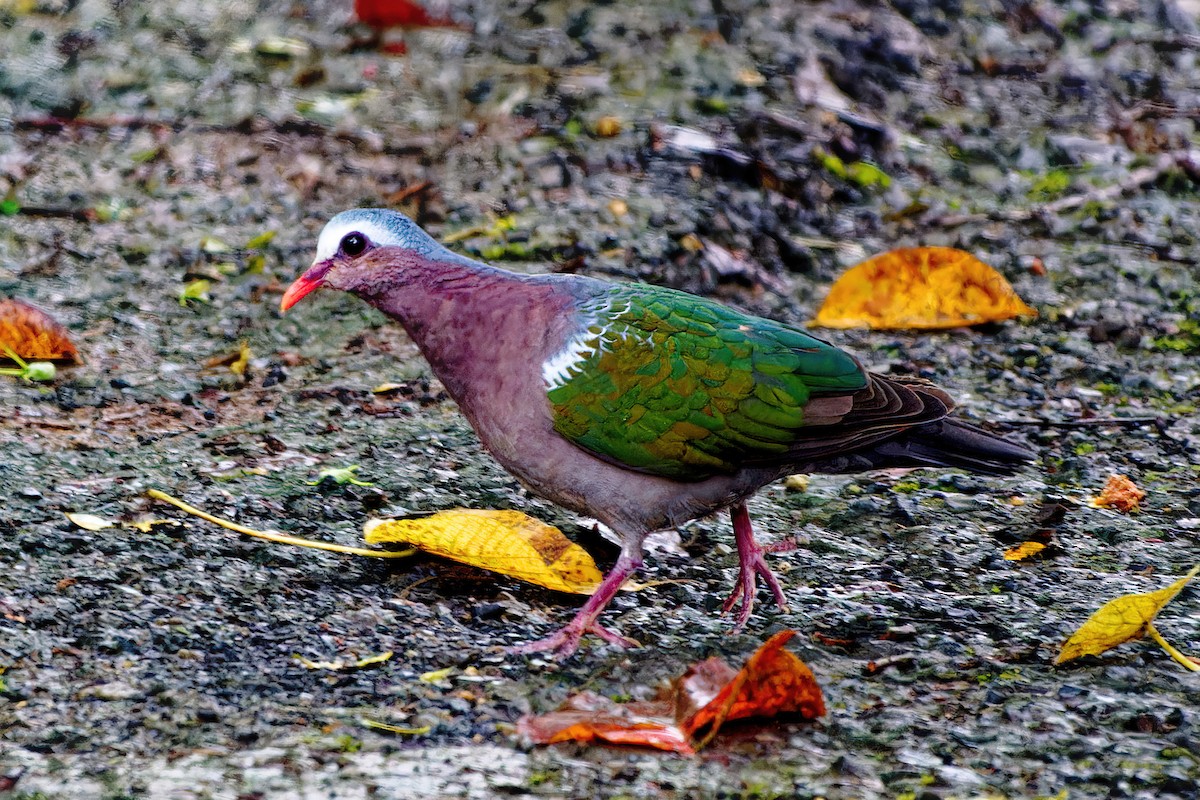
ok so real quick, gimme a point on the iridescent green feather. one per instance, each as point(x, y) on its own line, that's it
point(675, 385)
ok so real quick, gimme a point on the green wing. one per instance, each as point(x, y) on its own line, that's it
point(675, 385)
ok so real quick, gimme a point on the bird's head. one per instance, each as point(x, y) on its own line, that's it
point(356, 246)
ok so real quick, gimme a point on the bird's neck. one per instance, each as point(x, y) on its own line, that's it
point(469, 319)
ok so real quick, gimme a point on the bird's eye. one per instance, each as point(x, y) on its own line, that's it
point(353, 243)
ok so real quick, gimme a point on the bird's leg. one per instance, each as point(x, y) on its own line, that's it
point(566, 641)
point(750, 557)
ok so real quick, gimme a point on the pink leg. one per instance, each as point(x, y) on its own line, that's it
point(750, 556)
point(565, 641)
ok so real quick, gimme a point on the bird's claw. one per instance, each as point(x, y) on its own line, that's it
point(564, 642)
point(751, 565)
point(747, 587)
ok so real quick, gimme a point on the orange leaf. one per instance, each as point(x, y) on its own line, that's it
point(32, 334)
point(588, 717)
point(1119, 493)
point(920, 287)
point(710, 693)
point(773, 682)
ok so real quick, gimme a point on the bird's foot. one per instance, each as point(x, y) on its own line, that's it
point(752, 564)
point(564, 642)
point(747, 588)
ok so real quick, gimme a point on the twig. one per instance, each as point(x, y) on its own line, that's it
point(51, 212)
point(56, 124)
point(1080, 423)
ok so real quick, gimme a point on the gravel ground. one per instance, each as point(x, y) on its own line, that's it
point(1057, 142)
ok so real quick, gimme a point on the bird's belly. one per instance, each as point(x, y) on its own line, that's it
point(631, 503)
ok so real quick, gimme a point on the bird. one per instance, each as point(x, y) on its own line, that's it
point(638, 405)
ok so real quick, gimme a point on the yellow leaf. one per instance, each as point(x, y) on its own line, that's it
point(1023, 550)
point(1120, 620)
point(338, 666)
point(920, 287)
point(433, 676)
point(239, 364)
point(90, 522)
point(146, 525)
point(507, 542)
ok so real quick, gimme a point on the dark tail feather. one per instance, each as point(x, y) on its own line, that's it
point(951, 443)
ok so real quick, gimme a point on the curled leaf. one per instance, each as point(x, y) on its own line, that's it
point(923, 288)
point(507, 542)
point(1120, 620)
point(30, 333)
point(1119, 493)
point(711, 693)
point(772, 682)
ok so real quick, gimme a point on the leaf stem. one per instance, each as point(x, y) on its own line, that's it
point(274, 536)
point(1170, 648)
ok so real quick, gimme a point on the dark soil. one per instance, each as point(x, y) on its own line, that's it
point(147, 144)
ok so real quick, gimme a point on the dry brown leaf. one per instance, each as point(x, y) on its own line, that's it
point(1119, 493)
point(1119, 620)
point(507, 542)
point(772, 682)
point(33, 334)
point(920, 287)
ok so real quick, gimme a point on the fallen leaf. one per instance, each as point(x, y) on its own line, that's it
point(920, 287)
point(711, 693)
point(195, 290)
point(589, 717)
point(1023, 551)
point(436, 675)
point(507, 542)
point(341, 666)
point(146, 525)
point(31, 333)
point(90, 522)
point(340, 476)
point(1120, 620)
point(1119, 493)
point(237, 360)
point(260, 241)
point(773, 682)
point(397, 14)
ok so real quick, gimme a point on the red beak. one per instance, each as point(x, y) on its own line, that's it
point(314, 278)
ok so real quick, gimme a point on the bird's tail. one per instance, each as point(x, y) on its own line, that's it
point(952, 443)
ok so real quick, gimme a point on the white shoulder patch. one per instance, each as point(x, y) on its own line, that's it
point(558, 369)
